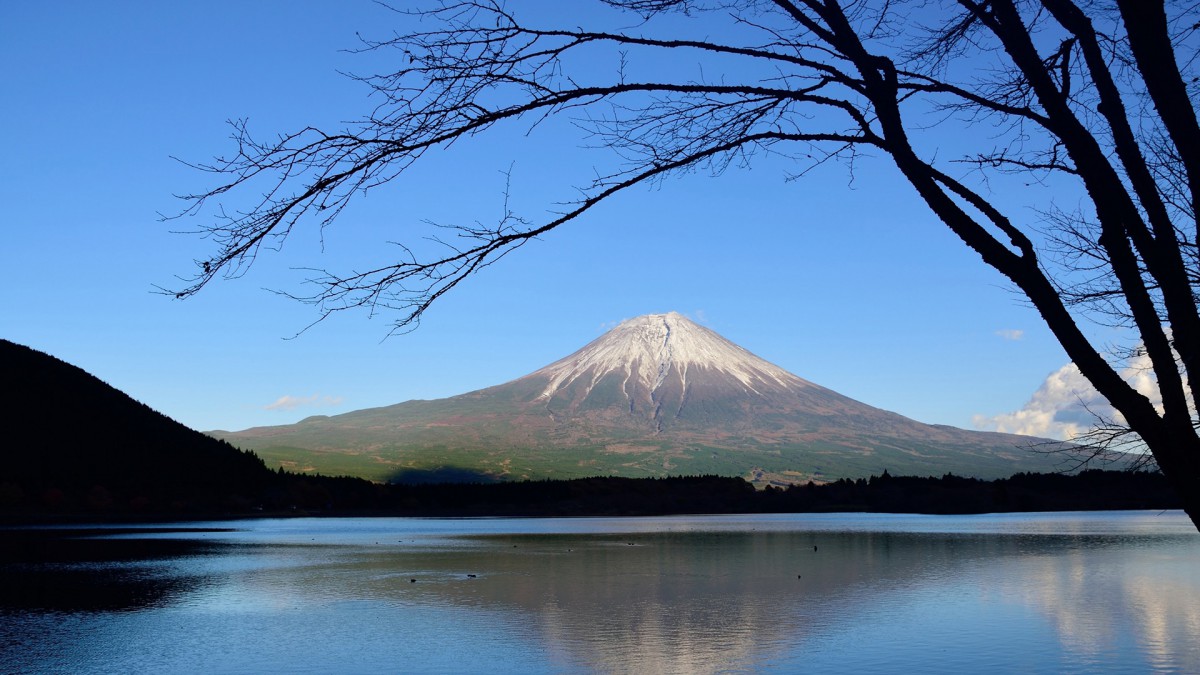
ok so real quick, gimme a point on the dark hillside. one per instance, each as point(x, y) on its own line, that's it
point(71, 442)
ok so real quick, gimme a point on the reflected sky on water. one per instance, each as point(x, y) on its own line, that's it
point(1079, 592)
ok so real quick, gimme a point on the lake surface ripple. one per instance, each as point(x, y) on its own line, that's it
point(1115, 592)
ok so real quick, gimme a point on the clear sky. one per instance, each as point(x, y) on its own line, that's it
point(854, 286)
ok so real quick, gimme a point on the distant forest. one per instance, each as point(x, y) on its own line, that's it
point(281, 493)
point(1089, 490)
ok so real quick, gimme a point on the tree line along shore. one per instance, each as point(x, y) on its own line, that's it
point(274, 493)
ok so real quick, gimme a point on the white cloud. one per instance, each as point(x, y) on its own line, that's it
point(289, 402)
point(1064, 407)
point(1011, 334)
point(1067, 405)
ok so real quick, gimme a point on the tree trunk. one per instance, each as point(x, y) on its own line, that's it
point(1178, 456)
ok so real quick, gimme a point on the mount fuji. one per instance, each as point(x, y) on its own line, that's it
point(657, 395)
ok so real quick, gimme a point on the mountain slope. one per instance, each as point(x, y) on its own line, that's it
point(71, 440)
point(656, 395)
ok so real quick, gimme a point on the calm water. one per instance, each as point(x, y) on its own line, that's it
point(1052, 593)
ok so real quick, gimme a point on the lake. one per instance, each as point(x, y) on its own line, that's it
point(1115, 592)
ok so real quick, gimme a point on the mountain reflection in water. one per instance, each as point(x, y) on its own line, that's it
point(852, 592)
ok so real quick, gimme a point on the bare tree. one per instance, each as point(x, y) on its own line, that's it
point(1097, 95)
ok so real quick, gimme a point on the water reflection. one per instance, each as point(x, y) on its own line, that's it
point(668, 595)
point(76, 571)
point(1100, 601)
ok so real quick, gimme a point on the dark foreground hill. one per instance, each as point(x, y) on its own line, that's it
point(72, 442)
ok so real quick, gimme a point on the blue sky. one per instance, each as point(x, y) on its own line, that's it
point(854, 286)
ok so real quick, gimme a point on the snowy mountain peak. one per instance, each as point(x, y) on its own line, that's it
point(657, 395)
point(649, 350)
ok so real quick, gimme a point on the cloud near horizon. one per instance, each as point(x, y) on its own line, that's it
point(289, 402)
point(1011, 333)
point(1063, 407)
point(1066, 405)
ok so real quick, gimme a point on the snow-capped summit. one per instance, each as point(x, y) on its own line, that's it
point(663, 372)
point(648, 351)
